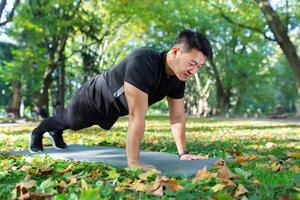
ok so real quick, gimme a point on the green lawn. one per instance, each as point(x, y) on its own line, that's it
point(267, 163)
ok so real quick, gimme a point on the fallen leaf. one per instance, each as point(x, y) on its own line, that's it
point(270, 145)
point(35, 195)
point(158, 192)
point(204, 174)
point(242, 159)
point(295, 168)
point(25, 168)
point(171, 184)
point(27, 184)
point(68, 169)
point(241, 190)
point(139, 185)
point(218, 187)
point(255, 181)
point(284, 197)
point(147, 174)
point(45, 171)
point(276, 167)
point(227, 182)
point(225, 173)
point(293, 154)
point(72, 180)
point(219, 163)
point(61, 186)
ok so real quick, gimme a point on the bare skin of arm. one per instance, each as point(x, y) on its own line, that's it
point(177, 120)
point(137, 106)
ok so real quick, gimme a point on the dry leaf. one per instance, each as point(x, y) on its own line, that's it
point(218, 187)
point(227, 182)
point(45, 171)
point(270, 145)
point(27, 184)
point(219, 163)
point(241, 159)
point(61, 186)
point(35, 195)
point(72, 180)
point(171, 184)
point(255, 181)
point(138, 185)
point(158, 192)
point(225, 173)
point(241, 190)
point(276, 167)
point(295, 168)
point(25, 168)
point(293, 154)
point(284, 197)
point(156, 183)
point(204, 173)
point(68, 169)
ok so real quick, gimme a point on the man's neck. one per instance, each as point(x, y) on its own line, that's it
point(168, 69)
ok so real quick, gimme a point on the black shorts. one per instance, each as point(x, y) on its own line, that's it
point(92, 104)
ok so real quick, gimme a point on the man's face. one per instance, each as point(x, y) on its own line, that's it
point(187, 64)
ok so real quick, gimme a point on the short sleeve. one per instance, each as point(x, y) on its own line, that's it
point(139, 73)
point(177, 91)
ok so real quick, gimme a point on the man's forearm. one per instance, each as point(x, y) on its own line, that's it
point(136, 128)
point(178, 131)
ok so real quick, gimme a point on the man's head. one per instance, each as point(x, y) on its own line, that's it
point(188, 54)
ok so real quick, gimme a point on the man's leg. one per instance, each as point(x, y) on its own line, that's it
point(57, 139)
point(51, 124)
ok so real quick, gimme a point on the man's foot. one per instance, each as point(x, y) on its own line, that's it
point(35, 143)
point(56, 140)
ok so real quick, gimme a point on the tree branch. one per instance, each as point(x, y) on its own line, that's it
point(2, 6)
point(227, 18)
point(11, 14)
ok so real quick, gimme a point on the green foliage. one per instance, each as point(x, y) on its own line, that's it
point(252, 70)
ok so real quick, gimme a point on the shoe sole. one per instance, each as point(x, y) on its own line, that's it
point(33, 152)
point(53, 141)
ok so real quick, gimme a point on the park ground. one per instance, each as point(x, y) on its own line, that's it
point(265, 164)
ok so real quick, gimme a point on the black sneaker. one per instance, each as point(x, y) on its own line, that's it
point(35, 143)
point(56, 140)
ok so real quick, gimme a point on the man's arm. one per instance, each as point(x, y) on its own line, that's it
point(137, 102)
point(177, 120)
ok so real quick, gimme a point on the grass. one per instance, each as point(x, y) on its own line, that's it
point(273, 174)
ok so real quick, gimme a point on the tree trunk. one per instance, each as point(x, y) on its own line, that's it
point(43, 97)
point(62, 82)
point(219, 88)
point(282, 38)
point(15, 101)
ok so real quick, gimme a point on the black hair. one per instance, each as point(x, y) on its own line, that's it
point(194, 39)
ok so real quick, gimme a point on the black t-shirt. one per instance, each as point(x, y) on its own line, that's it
point(144, 69)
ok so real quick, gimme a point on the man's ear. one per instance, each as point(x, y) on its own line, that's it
point(175, 51)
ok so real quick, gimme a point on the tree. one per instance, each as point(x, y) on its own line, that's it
point(10, 14)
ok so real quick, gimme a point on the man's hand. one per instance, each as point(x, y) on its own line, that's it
point(193, 157)
point(143, 166)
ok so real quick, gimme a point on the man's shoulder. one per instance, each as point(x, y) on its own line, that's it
point(144, 53)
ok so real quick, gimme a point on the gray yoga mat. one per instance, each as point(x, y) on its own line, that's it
point(169, 164)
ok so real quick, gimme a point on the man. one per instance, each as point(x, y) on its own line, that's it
point(141, 79)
